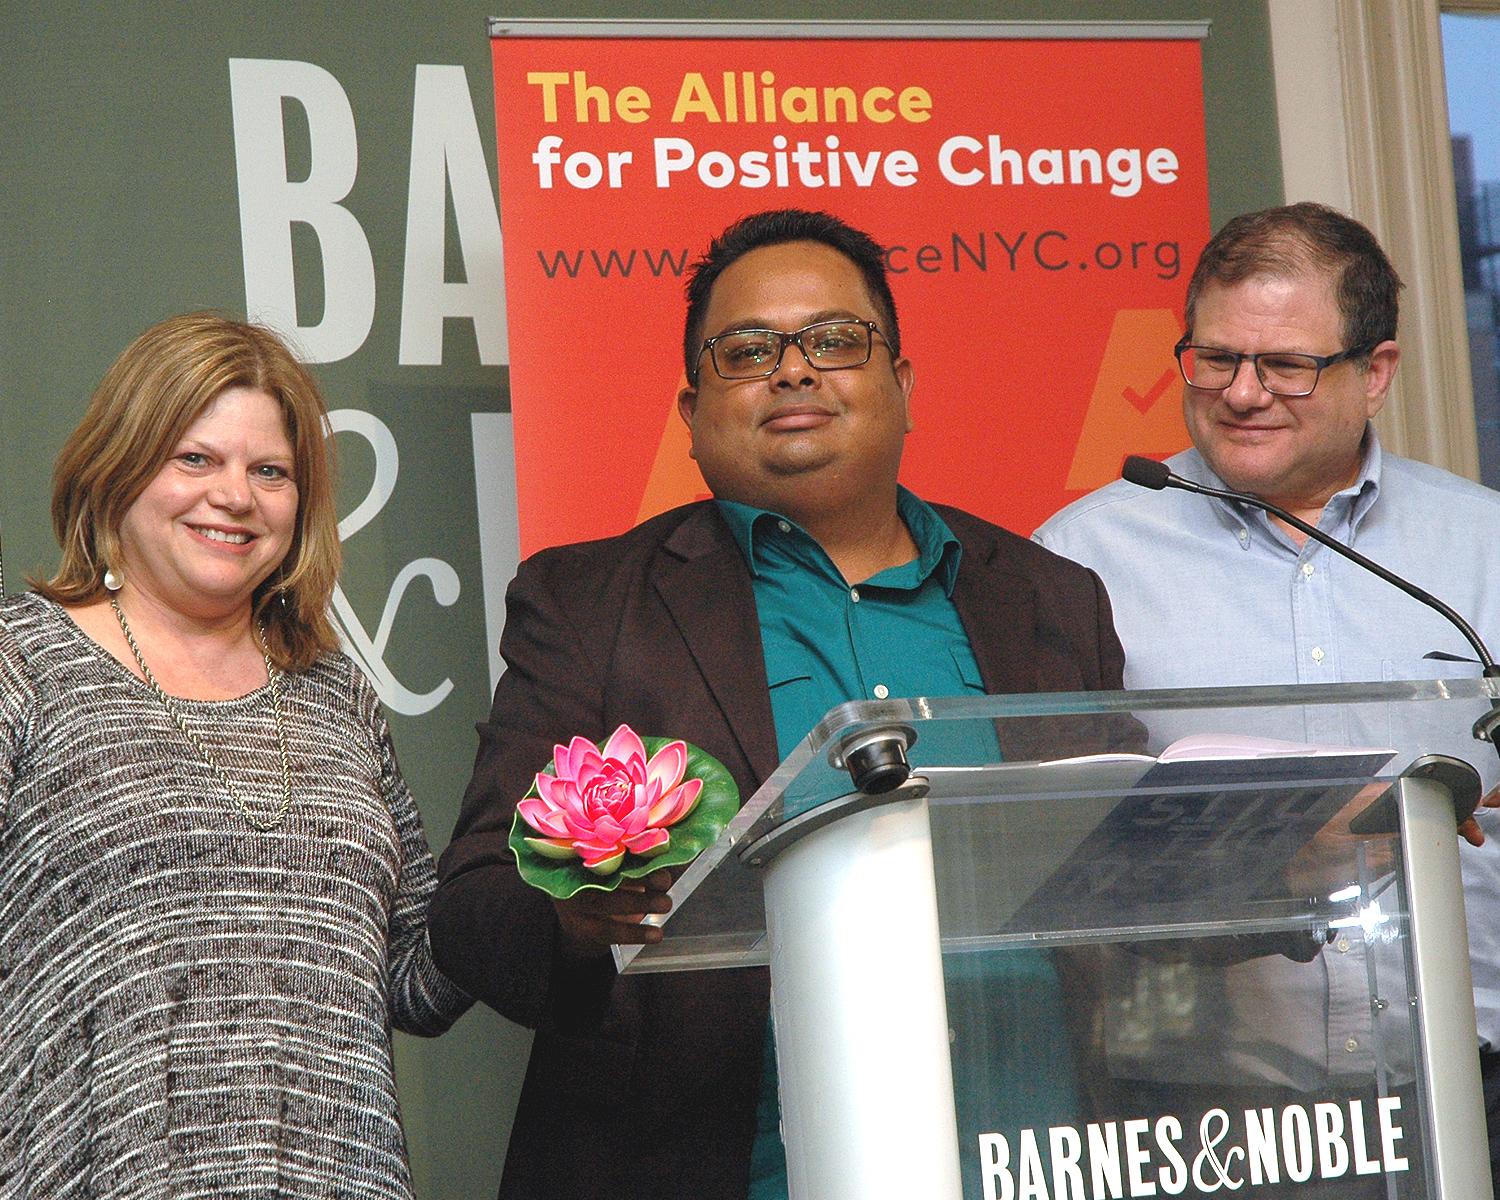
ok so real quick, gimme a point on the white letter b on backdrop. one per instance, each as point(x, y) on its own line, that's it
point(270, 203)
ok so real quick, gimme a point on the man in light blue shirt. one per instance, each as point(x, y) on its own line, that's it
point(1289, 351)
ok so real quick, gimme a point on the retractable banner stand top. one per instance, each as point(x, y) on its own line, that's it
point(1042, 191)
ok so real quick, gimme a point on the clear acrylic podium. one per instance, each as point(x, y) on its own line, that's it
point(1050, 966)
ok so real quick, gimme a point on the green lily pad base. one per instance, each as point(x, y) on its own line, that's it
point(717, 803)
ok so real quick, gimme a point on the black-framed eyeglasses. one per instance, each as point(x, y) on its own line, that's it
point(827, 345)
point(1281, 373)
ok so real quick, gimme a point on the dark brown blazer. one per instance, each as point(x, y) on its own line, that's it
point(646, 1086)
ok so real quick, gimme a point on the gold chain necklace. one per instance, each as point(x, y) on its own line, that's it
point(274, 676)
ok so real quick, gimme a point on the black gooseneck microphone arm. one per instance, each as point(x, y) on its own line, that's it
point(1148, 473)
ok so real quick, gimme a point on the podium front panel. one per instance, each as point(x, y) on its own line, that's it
point(1180, 977)
point(1185, 989)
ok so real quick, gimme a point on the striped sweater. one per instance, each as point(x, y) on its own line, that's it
point(189, 1007)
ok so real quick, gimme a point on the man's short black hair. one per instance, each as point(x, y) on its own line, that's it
point(1302, 239)
point(773, 229)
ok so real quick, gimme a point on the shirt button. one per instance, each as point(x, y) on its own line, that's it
point(1307, 569)
point(1351, 1045)
point(1342, 945)
point(881, 691)
point(854, 595)
point(1244, 535)
point(784, 526)
point(1317, 654)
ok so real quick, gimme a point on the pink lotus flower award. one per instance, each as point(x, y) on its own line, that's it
point(619, 812)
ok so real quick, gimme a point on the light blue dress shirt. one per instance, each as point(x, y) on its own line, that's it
point(1208, 593)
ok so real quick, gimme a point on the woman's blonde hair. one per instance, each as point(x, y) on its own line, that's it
point(153, 392)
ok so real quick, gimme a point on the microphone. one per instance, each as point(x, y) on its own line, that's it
point(1148, 473)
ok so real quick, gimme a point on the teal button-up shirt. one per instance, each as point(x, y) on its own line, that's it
point(825, 642)
point(894, 634)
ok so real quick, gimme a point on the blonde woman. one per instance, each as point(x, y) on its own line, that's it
point(213, 880)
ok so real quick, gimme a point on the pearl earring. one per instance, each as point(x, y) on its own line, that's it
point(112, 581)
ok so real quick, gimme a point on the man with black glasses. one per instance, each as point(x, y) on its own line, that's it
point(812, 578)
point(1289, 351)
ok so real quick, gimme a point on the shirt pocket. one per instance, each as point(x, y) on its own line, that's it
point(796, 706)
point(967, 669)
point(791, 685)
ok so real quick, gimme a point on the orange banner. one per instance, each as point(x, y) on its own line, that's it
point(1042, 201)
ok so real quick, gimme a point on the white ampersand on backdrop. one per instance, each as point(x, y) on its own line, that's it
point(369, 652)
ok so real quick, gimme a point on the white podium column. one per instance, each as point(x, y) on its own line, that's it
point(861, 1022)
point(1439, 937)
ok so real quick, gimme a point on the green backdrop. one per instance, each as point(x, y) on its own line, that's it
point(119, 205)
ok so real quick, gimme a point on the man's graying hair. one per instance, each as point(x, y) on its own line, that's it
point(773, 229)
point(1302, 239)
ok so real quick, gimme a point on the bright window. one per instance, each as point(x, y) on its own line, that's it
point(1471, 50)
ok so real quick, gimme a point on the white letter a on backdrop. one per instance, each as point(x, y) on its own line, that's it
point(446, 152)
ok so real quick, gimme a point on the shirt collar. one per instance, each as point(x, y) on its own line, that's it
point(1346, 508)
point(938, 551)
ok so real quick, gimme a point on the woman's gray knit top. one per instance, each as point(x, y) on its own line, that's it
point(189, 1007)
